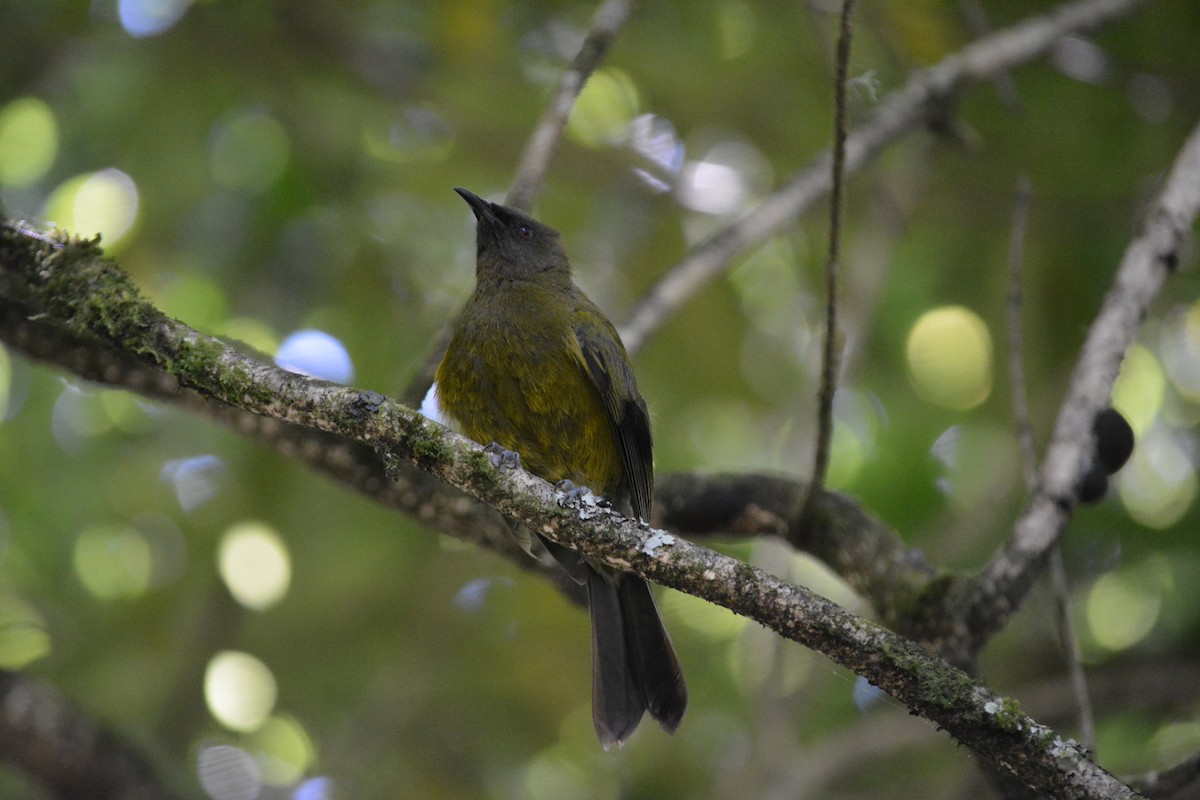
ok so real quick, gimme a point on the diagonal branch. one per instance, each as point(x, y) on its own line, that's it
point(843, 535)
point(923, 98)
point(991, 599)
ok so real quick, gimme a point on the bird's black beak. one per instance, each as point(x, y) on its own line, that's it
point(482, 208)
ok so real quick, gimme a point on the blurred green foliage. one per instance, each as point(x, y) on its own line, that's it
point(266, 167)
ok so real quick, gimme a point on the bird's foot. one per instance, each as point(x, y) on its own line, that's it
point(568, 492)
point(502, 458)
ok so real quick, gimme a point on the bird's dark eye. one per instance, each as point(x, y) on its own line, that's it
point(525, 232)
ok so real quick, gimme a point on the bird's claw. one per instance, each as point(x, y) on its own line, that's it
point(569, 490)
point(567, 493)
point(502, 458)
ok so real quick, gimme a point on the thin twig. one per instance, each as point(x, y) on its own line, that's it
point(831, 353)
point(898, 114)
point(1058, 573)
point(1061, 588)
point(610, 17)
point(1016, 362)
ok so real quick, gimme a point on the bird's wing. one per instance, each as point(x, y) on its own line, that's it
point(607, 365)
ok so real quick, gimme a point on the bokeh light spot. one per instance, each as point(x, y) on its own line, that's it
point(1138, 391)
point(1150, 97)
point(150, 17)
point(77, 416)
point(250, 152)
point(228, 773)
point(239, 689)
point(1179, 348)
point(1121, 610)
point(1158, 484)
point(254, 564)
point(659, 150)
point(316, 354)
point(1174, 742)
point(856, 425)
point(23, 635)
point(28, 141)
point(283, 750)
point(949, 354)
point(726, 180)
point(847, 456)
point(113, 561)
point(604, 109)
point(5, 380)
point(195, 479)
point(319, 788)
point(736, 28)
point(125, 411)
point(974, 458)
point(1081, 59)
point(472, 597)
point(104, 202)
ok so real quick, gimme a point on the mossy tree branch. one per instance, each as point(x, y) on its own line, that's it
point(68, 286)
point(868, 554)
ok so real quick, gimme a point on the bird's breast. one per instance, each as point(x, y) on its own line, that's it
point(511, 375)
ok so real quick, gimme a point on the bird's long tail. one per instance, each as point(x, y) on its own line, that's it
point(634, 668)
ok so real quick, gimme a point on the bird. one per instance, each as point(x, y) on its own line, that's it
point(535, 368)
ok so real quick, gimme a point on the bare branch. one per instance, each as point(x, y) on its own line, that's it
point(924, 96)
point(1016, 363)
point(1150, 257)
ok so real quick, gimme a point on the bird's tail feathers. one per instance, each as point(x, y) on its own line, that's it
point(634, 667)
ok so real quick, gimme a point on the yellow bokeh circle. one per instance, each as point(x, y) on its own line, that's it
point(949, 354)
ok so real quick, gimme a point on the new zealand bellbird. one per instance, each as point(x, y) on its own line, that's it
point(535, 367)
